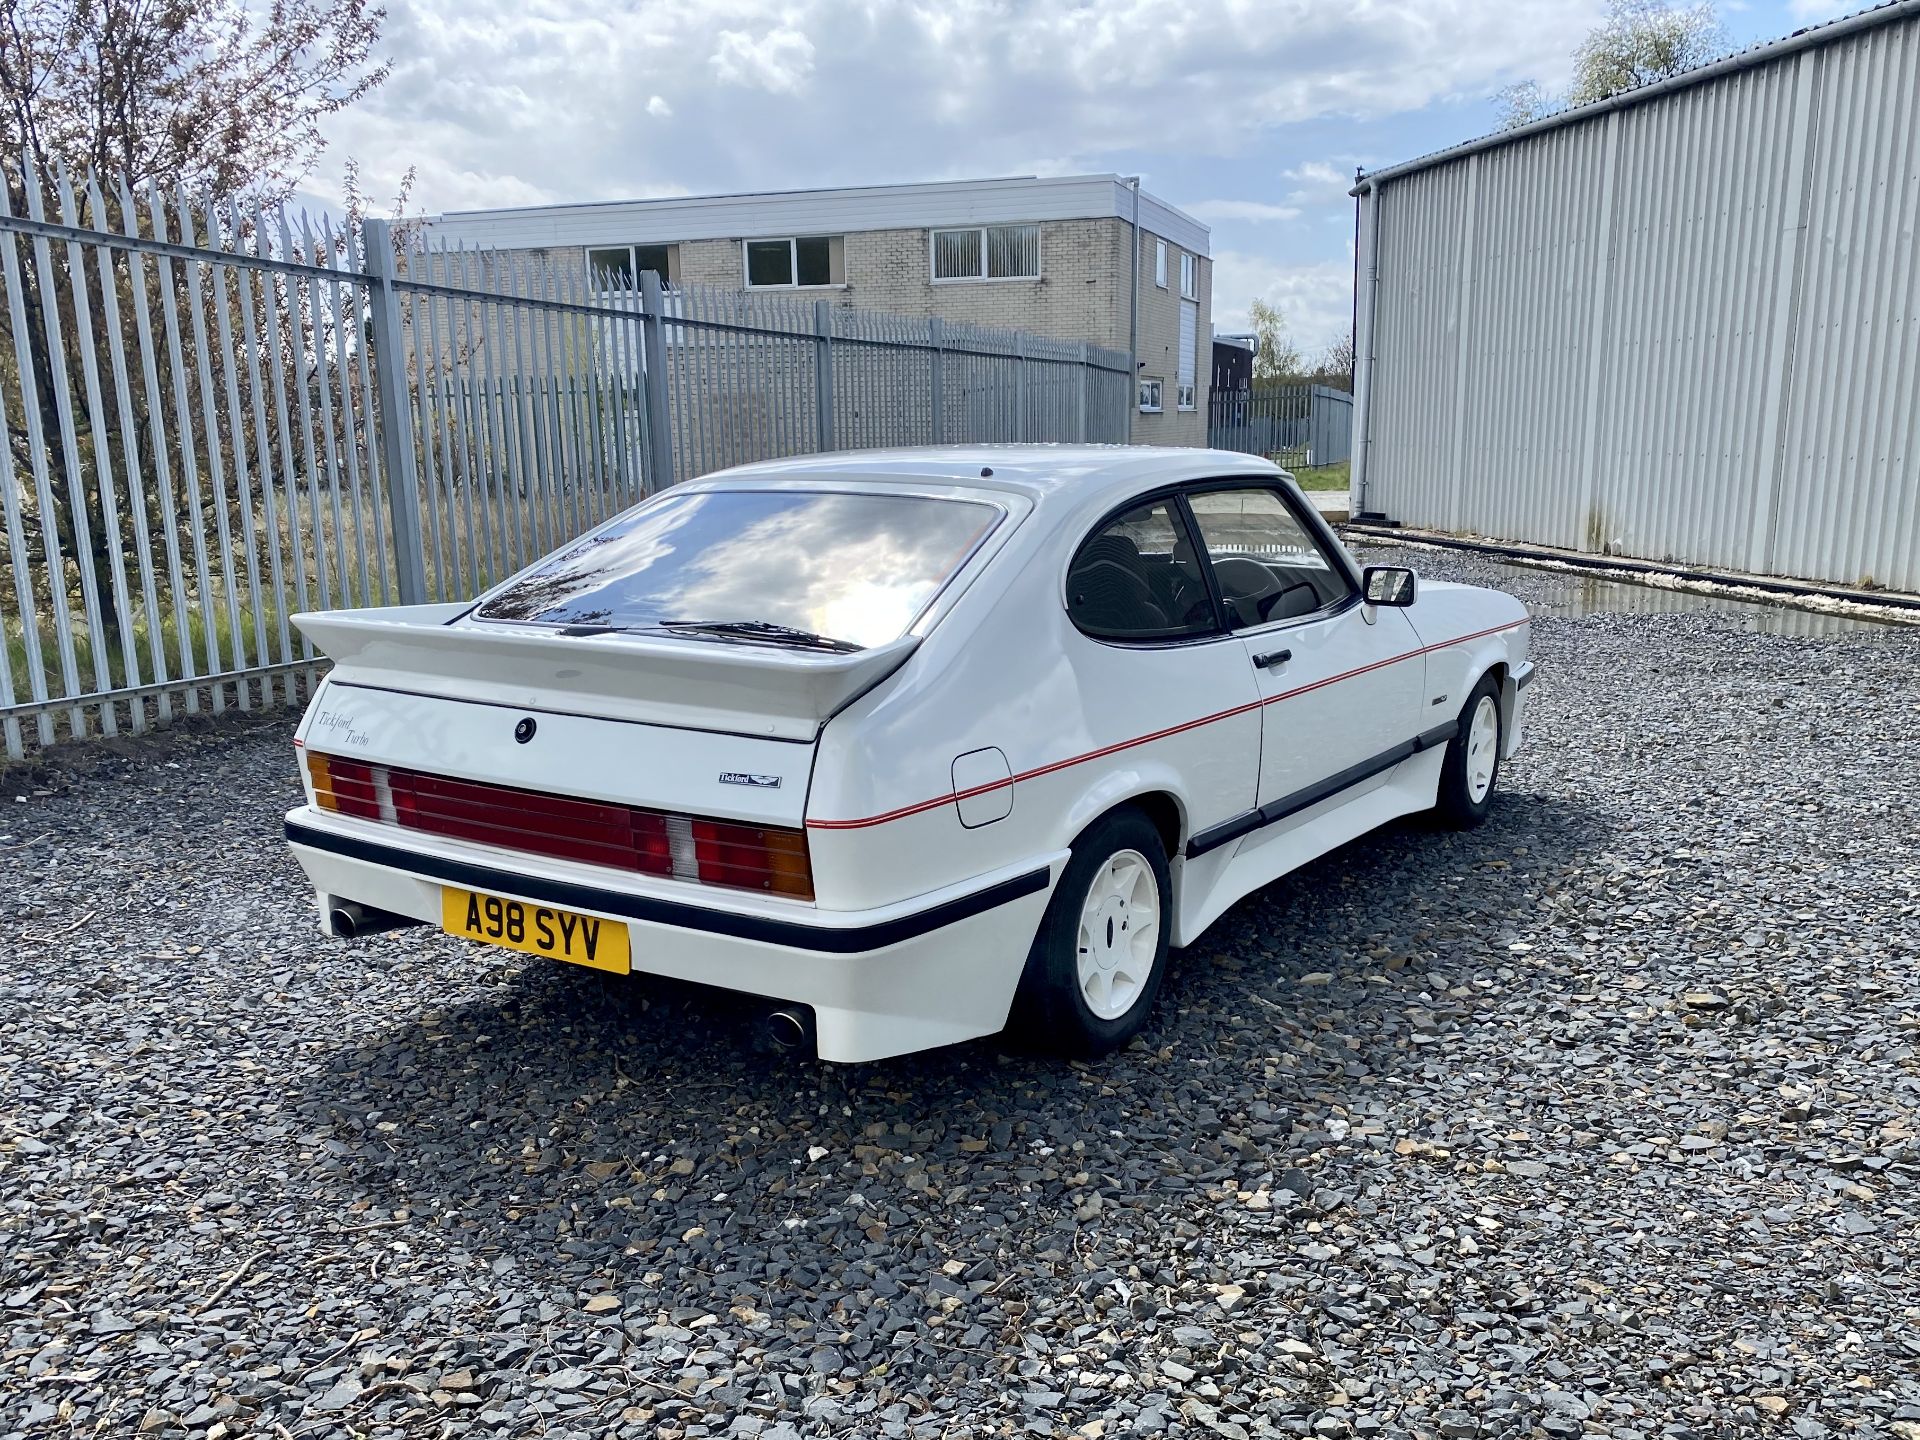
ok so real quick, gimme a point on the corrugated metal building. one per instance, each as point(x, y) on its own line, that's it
point(1682, 324)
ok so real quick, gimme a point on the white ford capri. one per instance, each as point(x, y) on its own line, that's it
point(914, 744)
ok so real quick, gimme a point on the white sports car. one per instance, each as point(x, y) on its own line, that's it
point(913, 743)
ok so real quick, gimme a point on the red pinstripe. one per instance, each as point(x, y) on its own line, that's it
point(1034, 774)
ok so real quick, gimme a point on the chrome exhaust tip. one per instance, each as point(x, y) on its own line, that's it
point(790, 1030)
point(350, 920)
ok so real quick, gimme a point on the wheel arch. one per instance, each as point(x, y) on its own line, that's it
point(1156, 796)
point(1507, 694)
point(1042, 1006)
point(1159, 798)
point(1482, 660)
point(1167, 816)
point(1501, 673)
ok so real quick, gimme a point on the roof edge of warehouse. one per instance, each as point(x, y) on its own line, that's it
point(1810, 37)
point(897, 205)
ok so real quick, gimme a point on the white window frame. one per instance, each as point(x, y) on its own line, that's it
point(1159, 395)
point(1189, 276)
point(1160, 263)
point(1183, 397)
point(793, 261)
point(934, 276)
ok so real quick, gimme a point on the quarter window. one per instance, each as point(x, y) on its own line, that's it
point(987, 252)
point(1268, 565)
point(1138, 578)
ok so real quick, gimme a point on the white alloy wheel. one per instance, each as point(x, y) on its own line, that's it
point(1483, 748)
point(1119, 937)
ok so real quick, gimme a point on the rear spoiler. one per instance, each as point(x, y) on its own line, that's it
point(742, 688)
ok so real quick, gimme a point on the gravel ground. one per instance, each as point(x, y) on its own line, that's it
point(1599, 1119)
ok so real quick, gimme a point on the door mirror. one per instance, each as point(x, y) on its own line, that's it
point(1390, 585)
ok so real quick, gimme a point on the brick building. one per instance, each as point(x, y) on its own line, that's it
point(1047, 255)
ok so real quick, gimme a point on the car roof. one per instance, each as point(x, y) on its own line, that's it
point(1052, 476)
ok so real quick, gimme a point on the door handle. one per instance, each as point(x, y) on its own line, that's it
point(1272, 658)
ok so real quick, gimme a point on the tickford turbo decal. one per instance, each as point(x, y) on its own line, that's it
point(334, 729)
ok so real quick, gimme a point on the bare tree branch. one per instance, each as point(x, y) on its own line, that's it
point(215, 96)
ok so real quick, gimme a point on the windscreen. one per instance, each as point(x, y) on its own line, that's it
point(854, 568)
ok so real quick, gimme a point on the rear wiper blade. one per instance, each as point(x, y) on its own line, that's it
point(763, 630)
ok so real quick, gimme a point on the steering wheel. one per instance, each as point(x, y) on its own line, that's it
point(1186, 592)
point(1270, 603)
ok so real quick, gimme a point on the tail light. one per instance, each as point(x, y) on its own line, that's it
point(766, 858)
point(752, 857)
point(343, 786)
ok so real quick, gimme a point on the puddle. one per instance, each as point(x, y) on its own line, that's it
point(1571, 594)
point(1558, 592)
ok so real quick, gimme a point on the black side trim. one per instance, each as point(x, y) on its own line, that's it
point(1299, 800)
point(795, 934)
point(1525, 680)
point(1225, 833)
point(1277, 810)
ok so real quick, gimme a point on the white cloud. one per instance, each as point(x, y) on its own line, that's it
point(505, 101)
point(779, 62)
point(659, 108)
point(1257, 211)
point(1315, 301)
point(1318, 183)
point(1318, 172)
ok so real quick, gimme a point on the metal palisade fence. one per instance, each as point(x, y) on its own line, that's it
point(539, 402)
point(214, 417)
point(1302, 425)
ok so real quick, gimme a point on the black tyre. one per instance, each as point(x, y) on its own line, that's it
point(1101, 953)
point(1472, 766)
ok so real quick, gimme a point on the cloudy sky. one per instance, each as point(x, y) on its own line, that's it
point(1249, 114)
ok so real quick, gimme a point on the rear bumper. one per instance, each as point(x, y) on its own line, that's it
point(932, 971)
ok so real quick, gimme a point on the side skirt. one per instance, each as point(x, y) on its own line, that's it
point(1210, 885)
point(1274, 811)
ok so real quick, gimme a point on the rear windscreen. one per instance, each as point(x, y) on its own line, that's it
point(853, 567)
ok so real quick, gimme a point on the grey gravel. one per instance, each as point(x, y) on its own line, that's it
point(1600, 1120)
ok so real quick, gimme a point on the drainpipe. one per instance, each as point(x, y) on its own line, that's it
point(1366, 257)
point(1133, 315)
point(1353, 318)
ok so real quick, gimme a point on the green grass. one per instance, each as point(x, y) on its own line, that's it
point(13, 652)
point(1322, 477)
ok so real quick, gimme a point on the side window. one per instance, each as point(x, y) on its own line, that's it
point(1137, 578)
point(1269, 566)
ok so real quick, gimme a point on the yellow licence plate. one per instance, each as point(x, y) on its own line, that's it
point(537, 929)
